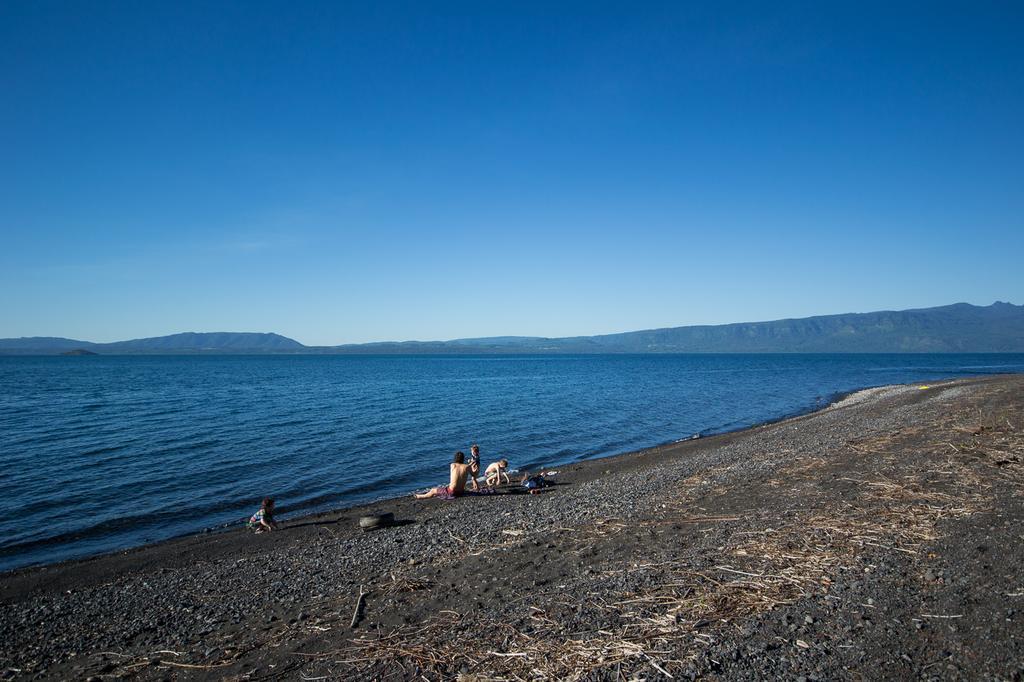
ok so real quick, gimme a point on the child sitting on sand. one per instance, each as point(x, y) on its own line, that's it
point(494, 472)
point(263, 520)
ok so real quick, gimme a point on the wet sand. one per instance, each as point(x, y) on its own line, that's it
point(880, 537)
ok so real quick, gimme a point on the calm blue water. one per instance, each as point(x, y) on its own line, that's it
point(102, 453)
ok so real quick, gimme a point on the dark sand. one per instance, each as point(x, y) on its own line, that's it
point(879, 538)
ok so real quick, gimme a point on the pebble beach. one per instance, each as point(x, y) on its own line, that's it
point(879, 537)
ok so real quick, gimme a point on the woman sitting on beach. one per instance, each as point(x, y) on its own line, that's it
point(263, 520)
point(495, 470)
point(456, 482)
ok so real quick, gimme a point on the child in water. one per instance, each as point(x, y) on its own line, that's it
point(263, 520)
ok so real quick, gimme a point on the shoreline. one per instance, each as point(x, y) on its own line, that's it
point(830, 545)
point(214, 532)
point(369, 507)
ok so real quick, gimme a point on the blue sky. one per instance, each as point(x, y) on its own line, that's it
point(342, 173)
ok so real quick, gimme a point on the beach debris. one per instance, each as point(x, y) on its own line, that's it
point(360, 600)
point(375, 521)
point(400, 584)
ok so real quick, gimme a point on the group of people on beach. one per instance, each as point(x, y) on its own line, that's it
point(461, 472)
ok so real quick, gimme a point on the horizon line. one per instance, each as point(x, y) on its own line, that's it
point(504, 336)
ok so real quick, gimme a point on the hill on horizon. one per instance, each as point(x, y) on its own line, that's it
point(956, 328)
point(195, 342)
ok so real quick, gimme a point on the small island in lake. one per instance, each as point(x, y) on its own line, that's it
point(79, 351)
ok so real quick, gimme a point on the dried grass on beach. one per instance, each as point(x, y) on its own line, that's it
point(666, 622)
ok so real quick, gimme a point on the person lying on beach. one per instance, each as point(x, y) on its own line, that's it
point(263, 520)
point(458, 471)
point(534, 483)
point(494, 472)
point(474, 465)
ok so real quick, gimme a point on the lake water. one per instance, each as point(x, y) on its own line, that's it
point(102, 453)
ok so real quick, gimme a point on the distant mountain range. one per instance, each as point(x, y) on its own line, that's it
point(188, 342)
point(960, 327)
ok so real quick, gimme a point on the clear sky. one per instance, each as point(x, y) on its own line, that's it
point(346, 172)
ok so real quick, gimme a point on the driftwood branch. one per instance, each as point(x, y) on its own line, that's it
point(359, 606)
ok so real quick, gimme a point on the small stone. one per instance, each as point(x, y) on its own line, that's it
point(809, 620)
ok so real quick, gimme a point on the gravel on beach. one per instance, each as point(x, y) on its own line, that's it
point(878, 538)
